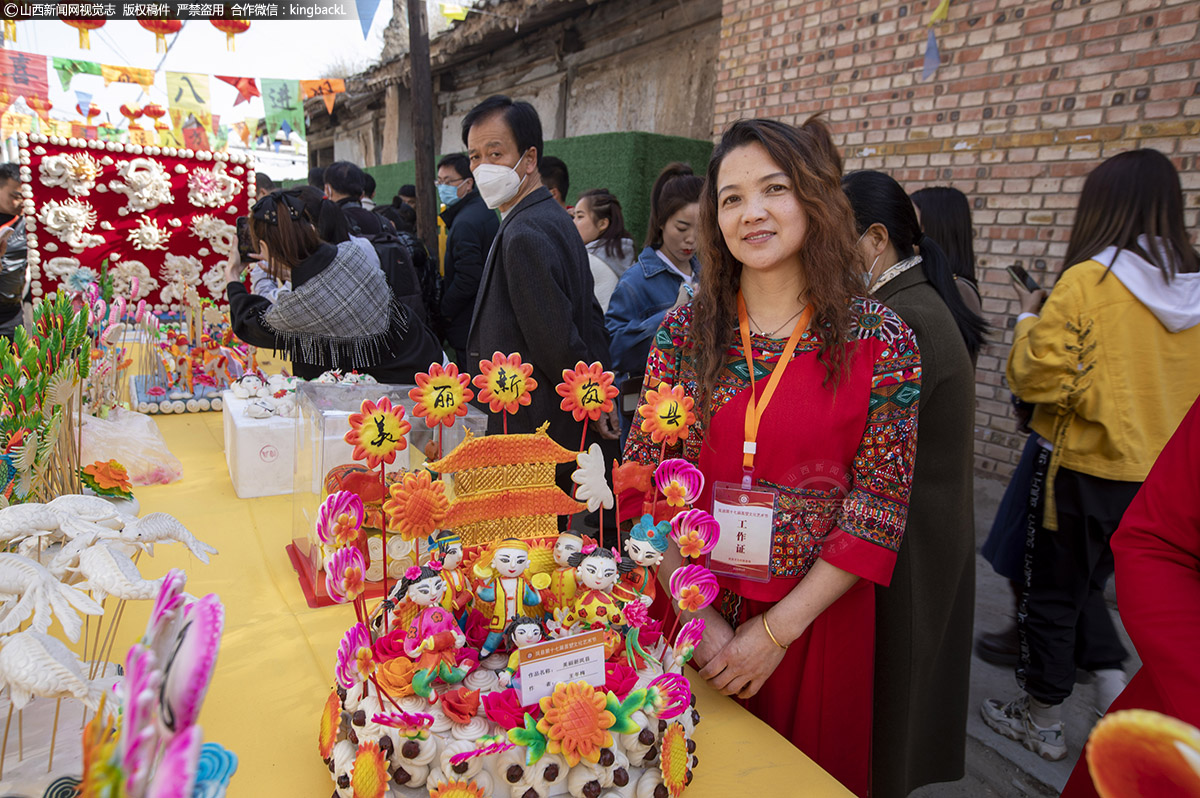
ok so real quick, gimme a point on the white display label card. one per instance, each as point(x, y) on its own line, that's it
point(747, 518)
point(572, 659)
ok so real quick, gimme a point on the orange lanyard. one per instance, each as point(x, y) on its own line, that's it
point(754, 408)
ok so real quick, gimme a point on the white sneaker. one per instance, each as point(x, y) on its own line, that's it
point(1012, 720)
point(1107, 685)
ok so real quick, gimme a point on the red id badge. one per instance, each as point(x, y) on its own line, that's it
point(747, 519)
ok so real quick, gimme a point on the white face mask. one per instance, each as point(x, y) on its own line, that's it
point(866, 276)
point(498, 183)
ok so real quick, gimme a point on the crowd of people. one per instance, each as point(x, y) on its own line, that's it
point(826, 325)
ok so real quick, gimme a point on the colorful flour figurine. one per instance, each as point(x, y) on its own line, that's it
point(646, 544)
point(447, 546)
point(595, 607)
point(433, 640)
point(562, 579)
point(502, 570)
point(521, 632)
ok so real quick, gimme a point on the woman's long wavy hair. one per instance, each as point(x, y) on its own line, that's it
point(828, 255)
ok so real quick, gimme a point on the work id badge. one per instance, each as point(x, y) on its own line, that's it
point(747, 518)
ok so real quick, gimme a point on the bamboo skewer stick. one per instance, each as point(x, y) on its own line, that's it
point(54, 734)
point(4, 748)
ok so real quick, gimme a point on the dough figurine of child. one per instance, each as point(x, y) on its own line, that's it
point(646, 544)
point(447, 547)
point(562, 579)
point(595, 607)
point(521, 632)
point(433, 640)
point(503, 571)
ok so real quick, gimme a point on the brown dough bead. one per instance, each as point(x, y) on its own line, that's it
point(514, 773)
point(662, 726)
point(645, 737)
point(687, 778)
point(691, 746)
point(661, 792)
point(410, 749)
point(401, 776)
point(359, 718)
point(460, 768)
point(620, 777)
point(695, 718)
point(606, 757)
point(653, 752)
point(386, 745)
point(530, 793)
point(591, 789)
point(551, 773)
point(343, 781)
point(353, 737)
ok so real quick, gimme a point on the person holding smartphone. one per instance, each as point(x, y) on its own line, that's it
point(1108, 359)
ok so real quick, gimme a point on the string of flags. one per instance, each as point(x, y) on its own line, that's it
point(933, 55)
point(189, 100)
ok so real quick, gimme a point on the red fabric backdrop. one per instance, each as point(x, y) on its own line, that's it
point(229, 181)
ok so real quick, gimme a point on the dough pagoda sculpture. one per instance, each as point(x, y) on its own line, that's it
point(450, 685)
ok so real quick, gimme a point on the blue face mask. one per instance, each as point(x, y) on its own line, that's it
point(448, 195)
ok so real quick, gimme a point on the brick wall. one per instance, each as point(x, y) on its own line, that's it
point(1030, 97)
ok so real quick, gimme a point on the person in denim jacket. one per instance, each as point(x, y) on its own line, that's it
point(662, 278)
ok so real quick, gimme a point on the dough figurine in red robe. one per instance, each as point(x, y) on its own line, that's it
point(645, 546)
point(433, 640)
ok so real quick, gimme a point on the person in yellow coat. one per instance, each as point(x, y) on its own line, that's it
point(502, 569)
point(562, 579)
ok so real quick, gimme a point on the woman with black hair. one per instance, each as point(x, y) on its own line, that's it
point(925, 617)
point(601, 225)
point(945, 215)
point(1109, 362)
point(340, 313)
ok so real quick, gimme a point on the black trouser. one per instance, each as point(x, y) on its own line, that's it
point(1063, 620)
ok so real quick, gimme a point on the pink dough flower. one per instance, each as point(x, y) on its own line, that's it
point(340, 518)
point(679, 481)
point(688, 638)
point(694, 587)
point(668, 696)
point(695, 532)
point(344, 574)
point(355, 660)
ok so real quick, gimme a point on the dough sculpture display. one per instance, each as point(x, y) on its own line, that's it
point(429, 682)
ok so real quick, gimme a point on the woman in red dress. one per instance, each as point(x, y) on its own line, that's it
point(834, 441)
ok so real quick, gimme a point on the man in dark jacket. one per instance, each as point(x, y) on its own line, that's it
point(344, 184)
point(12, 250)
point(536, 295)
point(470, 228)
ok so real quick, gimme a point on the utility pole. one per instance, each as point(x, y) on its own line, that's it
point(421, 76)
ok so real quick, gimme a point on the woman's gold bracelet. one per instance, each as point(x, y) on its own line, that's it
point(768, 630)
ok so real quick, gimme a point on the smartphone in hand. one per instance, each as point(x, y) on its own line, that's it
point(1022, 278)
point(245, 249)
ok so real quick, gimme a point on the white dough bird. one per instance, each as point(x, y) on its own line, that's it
point(107, 572)
point(163, 528)
point(36, 664)
point(28, 588)
point(92, 509)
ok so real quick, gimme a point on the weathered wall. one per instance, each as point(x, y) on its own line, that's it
point(1030, 97)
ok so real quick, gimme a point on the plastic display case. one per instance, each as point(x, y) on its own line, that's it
point(324, 463)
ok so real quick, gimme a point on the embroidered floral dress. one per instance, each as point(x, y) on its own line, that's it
point(840, 457)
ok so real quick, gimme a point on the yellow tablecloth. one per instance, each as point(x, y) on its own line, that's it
point(277, 656)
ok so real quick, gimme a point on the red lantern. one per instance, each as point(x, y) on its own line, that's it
point(40, 105)
point(132, 113)
point(231, 28)
point(83, 26)
point(91, 112)
point(160, 28)
point(154, 111)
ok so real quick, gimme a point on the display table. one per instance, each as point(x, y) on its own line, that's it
point(277, 655)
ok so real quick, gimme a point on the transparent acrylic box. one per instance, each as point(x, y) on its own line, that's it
point(323, 413)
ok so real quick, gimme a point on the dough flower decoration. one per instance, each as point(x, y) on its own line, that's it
point(575, 721)
point(504, 707)
point(688, 638)
point(369, 778)
point(631, 476)
point(619, 678)
point(675, 759)
point(1140, 752)
point(456, 788)
point(679, 481)
point(667, 696)
point(695, 532)
point(636, 614)
point(355, 660)
point(344, 572)
point(377, 432)
point(486, 746)
point(667, 414)
point(417, 505)
point(693, 587)
point(504, 382)
point(460, 705)
point(340, 518)
point(530, 738)
point(395, 675)
point(403, 720)
point(107, 479)
point(441, 395)
point(587, 391)
point(331, 717)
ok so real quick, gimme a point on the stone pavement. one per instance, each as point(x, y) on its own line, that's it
point(997, 766)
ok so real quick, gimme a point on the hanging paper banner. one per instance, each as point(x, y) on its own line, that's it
point(326, 89)
point(242, 131)
point(281, 102)
point(145, 138)
point(24, 75)
point(84, 99)
point(214, 124)
point(12, 122)
point(933, 57)
point(941, 13)
point(68, 68)
point(85, 132)
point(188, 91)
point(366, 13)
point(246, 88)
point(122, 74)
point(190, 129)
